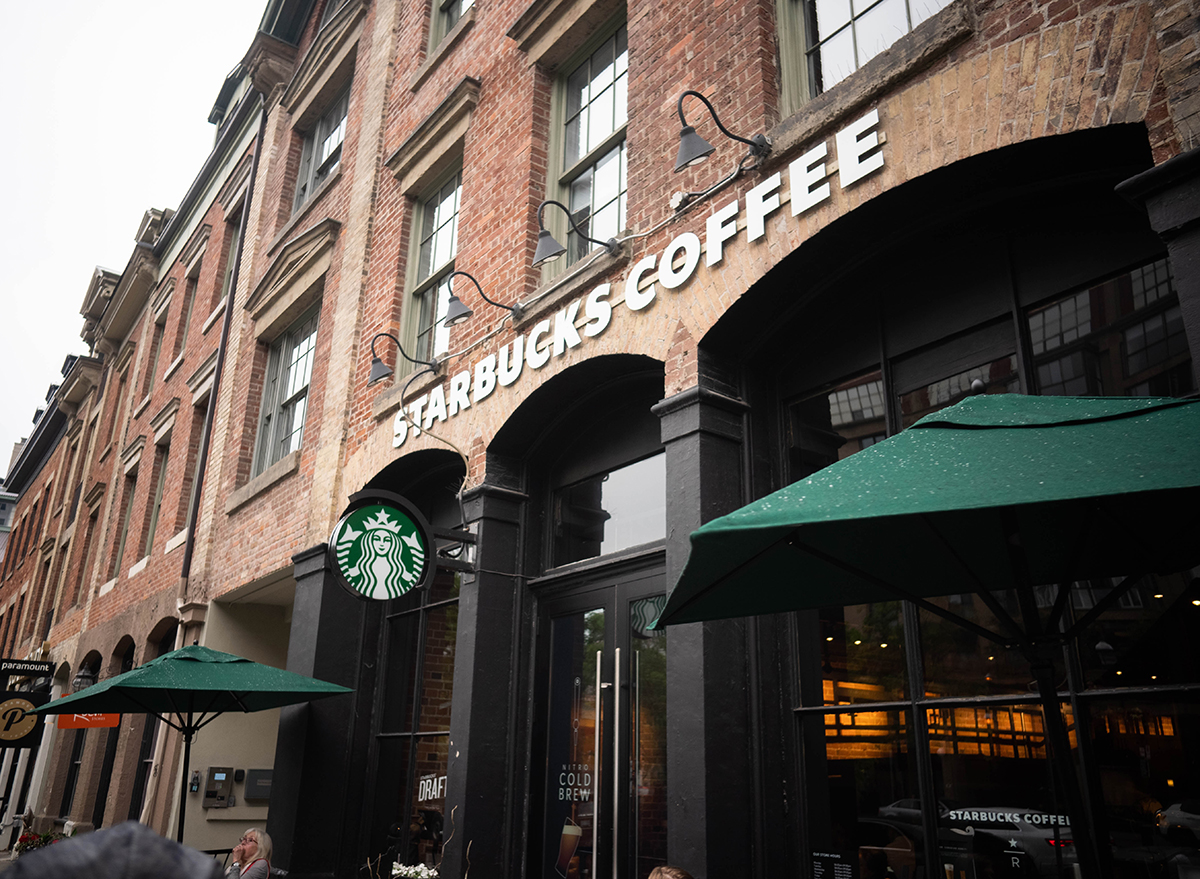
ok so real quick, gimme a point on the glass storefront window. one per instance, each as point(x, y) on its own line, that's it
point(648, 700)
point(999, 376)
point(414, 731)
point(959, 662)
point(862, 653)
point(611, 511)
point(862, 784)
point(1123, 336)
point(1150, 783)
point(835, 423)
point(573, 775)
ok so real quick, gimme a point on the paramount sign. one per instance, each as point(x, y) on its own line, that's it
point(809, 179)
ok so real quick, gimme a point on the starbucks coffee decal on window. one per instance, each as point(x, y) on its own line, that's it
point(810, 177)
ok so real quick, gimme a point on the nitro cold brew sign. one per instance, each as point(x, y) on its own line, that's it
point(380, 548)
point(809, 179)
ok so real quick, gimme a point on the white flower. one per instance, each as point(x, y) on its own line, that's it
point(414, 871)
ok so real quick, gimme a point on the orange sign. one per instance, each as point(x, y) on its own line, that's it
point(88, 721)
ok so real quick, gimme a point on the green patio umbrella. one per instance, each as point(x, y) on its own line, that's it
point(995, 493)
point(189, 688)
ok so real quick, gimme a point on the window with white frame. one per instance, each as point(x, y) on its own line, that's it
point(821, 42)
point(594, 101)
point(436, 247)
point(285, 392)
point(322, 149)
point(446, 14)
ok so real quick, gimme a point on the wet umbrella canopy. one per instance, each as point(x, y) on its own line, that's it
point(1003, 492)
point(1089, 486)
point(188, 688)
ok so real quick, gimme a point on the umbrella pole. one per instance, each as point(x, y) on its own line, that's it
point(183, 784)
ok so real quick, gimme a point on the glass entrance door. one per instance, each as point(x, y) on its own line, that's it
point(602, 704)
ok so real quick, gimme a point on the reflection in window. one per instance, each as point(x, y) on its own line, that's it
point(959, 662)
point(999, 376)
point(611, 511)
point(593, 162)
point(414, 729)
point(435, 262)
point(648, 700)
point(835, 423)
point(1123, 336)
point(862, 653)
point(1151, 781)
point(843, 35)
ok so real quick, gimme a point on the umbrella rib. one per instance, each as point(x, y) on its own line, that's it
point(902, 593)
point(1102, 605)
point(982, 591)
point(148, 710)
point(692, 599)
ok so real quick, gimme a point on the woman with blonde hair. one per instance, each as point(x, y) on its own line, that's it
point(668, 872)
point(251, 856)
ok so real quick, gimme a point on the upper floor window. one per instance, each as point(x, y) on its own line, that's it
point(821, 42)
point(322, 149)
point(446, 14)
point(285, 393)
point(436, 248)
point(594, 100)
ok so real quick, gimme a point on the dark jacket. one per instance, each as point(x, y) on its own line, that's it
point(127, 851)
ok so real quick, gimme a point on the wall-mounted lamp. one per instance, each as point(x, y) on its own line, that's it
point(548, 248)
point(83, 679)
point(517, 311)
point(380, 371)
point(694, 149)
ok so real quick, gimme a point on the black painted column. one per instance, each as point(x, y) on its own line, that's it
point(482, 802)
point(710, 728)
point(317, 788)
point(1170, 192)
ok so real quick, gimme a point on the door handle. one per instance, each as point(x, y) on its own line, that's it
point(596, 768)
point(616, 800)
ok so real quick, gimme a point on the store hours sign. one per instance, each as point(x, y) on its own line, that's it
point(381, 547)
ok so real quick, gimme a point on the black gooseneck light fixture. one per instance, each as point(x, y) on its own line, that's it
point(380, 370)
point(548, 248)
point(694, 149)
point(517, 311)
point(456, 313)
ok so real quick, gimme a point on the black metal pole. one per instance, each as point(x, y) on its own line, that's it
point(183, 784)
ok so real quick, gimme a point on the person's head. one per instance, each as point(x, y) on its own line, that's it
point(668, 872)
point(261, 842)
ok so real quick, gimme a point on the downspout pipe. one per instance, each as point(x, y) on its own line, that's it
point(189, 545)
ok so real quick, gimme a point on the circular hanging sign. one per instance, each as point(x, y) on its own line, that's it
point(15, 720)
point(380, 547)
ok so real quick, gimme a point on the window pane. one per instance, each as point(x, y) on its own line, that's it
point(611, 511)
point(959, 662)
point(831, 15)
point(1000, 377)
point(428, 803)
point(1123, 336)
point(648, 701)
point(861, 654)
point(836, 58)
point(572, 764)
point(857, 765)
point(834, 423)
point(999, 813)
point(1150, 782)
point(879, 27)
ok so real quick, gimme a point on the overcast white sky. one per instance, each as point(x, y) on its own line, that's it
point(108, 104)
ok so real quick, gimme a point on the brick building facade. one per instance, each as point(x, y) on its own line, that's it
point(919, 196)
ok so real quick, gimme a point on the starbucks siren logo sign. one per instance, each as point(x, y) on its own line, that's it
point(381, 550)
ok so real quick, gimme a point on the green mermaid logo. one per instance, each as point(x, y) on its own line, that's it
point(379, 551)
